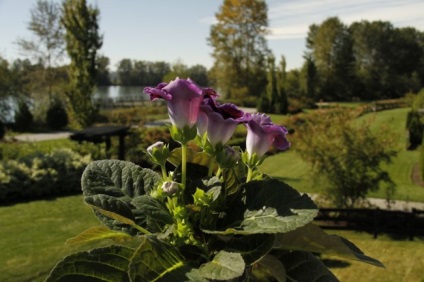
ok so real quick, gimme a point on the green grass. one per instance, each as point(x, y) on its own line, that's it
point(403, 259)
point(33, 235)
point(289, 167)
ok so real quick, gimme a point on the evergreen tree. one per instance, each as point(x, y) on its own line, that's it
point(82, 42)
point(281, 103)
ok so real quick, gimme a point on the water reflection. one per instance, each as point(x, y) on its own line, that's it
point(119, 91)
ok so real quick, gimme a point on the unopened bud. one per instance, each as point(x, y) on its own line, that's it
point(170, 187)
point(159, 152)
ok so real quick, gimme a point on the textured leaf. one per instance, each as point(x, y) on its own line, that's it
point(274, 266)
point(272, 207)
point(103, 264)
point(155, 260)
point(111, 185)
point(313, 239)
point(252, 247)
point(304, 266)
point(118, 179)
point(155, 214)
point(224, 266)
point(98, 233)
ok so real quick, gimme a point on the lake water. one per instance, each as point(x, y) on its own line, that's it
point(115, 92)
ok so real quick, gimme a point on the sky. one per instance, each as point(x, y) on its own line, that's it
point(171, 30)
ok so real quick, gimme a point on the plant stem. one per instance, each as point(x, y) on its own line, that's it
point(218, 173)
point(211, 161)
point(184, 164)
point(249, 174)
point(164, 173)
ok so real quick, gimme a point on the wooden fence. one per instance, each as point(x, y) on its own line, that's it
point(375, 221)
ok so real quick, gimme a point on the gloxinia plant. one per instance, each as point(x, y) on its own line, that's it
point(215, 217)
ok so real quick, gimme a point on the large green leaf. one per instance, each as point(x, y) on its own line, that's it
point(272, 207)
point(252, 247)
point(313, 239)
point(155, 213)
point(304, 266)
point(99, 233)
point(103, 264)
point(224, 266)
point(274, 266)
point(118, 179)
point(155, 260)
point(111, 185)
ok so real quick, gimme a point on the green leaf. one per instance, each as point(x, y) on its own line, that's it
point(224, 266)
point(304, 266)
point(274, 266)
point(117, 179)
point(272, 207)
point(252, 247)
point(98, 233)
point(155, 260)
point(111, 186)
point(155, 213)
point(313, 239)
point(103, 264)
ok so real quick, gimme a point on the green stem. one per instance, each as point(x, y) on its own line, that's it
point(164, 173)
point(249, 174)
point(184, 164)
point(218, 173)
point(211, 162)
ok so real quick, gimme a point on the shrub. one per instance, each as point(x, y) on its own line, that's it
point(56, 118)
point(23, 117)
point(347, 155)
point(415, 129)
point(39, 175)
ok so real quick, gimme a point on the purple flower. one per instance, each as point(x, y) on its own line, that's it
point(219, 121)
point(183, 98)
point(262, 134)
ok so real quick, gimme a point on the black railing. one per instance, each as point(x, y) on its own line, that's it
point(375, 221)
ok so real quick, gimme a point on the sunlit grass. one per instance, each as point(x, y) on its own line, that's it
point(33, 235)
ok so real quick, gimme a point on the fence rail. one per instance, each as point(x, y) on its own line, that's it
point(375, 221)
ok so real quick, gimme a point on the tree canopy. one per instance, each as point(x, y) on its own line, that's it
point(82, 43)
point(240, 48)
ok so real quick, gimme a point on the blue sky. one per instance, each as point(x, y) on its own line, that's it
point(170, 30)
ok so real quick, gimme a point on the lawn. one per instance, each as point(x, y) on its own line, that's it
point(33, 235)
point(403, 259)
point(289, 167)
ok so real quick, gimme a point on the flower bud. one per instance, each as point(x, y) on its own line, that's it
point(170, 187)
point(159, 152)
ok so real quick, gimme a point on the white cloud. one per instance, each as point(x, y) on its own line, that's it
point(292, 19)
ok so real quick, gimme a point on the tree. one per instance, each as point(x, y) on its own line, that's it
point(282, 103)
point(330, 49)
point(48, 46)
point(82, 42)
point(178, 69)
point(347, 154)
point(103, 78)
point(240, 48)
